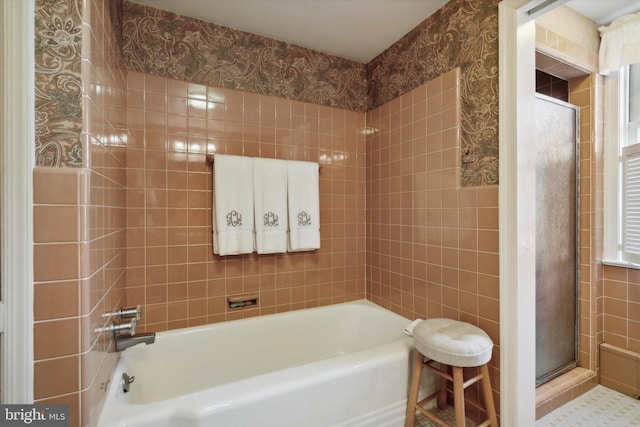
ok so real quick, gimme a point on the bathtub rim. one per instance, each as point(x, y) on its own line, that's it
point(194, 329)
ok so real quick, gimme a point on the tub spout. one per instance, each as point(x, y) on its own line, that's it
point(123, 342)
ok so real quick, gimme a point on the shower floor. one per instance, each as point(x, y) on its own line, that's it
point(599, 407)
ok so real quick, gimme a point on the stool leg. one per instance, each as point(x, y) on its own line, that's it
point(458, 395)
point(488, 395)
point(442, 394)
point(415, 389)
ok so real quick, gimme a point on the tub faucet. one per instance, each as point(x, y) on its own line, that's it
point(123, 342)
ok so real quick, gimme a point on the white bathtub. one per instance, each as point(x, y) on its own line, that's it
point(340, 365)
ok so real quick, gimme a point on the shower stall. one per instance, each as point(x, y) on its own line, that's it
point(557, 237)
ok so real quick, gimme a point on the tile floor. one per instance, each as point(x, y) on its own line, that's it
point(599, 407)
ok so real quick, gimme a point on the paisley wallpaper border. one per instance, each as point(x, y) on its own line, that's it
point(58, 89)
point(463, 33)
point(170, 45)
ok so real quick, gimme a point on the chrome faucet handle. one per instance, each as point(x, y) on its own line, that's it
point(124, 328)
point(131, 312)
point(125, 313)
point(120, 328)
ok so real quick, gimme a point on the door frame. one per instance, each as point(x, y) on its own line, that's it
point(516, 218)
point(17, 152)
point(516, 34)
point(516, 196)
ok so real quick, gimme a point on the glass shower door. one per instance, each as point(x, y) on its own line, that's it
point(557, 245)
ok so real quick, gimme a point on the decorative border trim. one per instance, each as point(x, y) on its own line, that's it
point(170, 45)
point(58, 96)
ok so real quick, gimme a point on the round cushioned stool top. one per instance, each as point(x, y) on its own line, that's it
point(452, 342)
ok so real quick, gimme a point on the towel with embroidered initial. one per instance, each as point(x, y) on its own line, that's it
point(270, 205)
point(304, 205)
point(233, 229)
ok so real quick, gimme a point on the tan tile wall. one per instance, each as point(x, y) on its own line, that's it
point(172, 271)
point(552, 86)
point(550, 39)
point(432, 245)
point(79, 274)
point(582, 94)
point(571, 33)
point(621, 307)
point(57, 289)
point(80, 237)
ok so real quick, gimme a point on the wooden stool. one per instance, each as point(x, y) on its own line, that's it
point(456, 344)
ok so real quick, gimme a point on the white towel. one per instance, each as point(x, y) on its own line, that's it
point(304, 206)
point(233, 229)
point(270, 205)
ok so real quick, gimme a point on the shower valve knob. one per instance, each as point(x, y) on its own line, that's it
point(130, 312)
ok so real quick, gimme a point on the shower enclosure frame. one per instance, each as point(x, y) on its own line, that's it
point(576, 285)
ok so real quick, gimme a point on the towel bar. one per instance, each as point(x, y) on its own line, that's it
point(210, 160)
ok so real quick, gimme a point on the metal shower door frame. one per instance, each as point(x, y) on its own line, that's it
point(573, 364)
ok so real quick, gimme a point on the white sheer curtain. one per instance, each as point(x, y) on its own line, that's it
point(620, 43)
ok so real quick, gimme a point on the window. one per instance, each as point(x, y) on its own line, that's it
point(619, 61)
point(633, 96)
point(622, 167)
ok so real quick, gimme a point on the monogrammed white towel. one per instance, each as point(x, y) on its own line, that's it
point(304, 205)
point(270, 205)
point(233, 228)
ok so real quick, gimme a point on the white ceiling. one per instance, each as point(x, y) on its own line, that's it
point(354, 29)
point(604, 11)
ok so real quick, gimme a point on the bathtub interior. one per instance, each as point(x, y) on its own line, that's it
point(195, 359)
